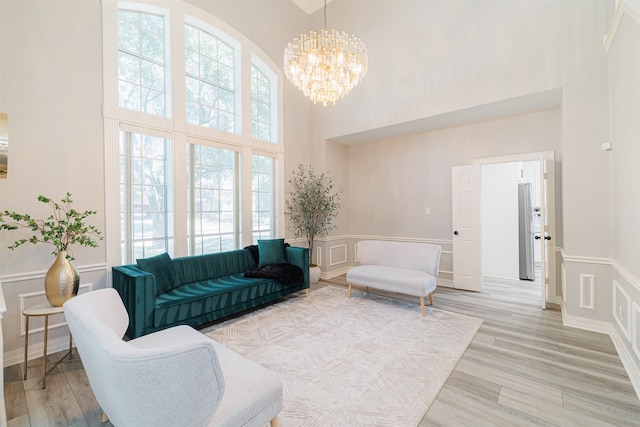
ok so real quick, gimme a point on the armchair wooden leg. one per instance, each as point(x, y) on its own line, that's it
point(105, 418)
point(424, 313)
point(349, 291)
point(431, 298)
point(274, 422)
point(307, 293)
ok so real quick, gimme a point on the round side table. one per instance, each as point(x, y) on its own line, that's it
point(46, 310)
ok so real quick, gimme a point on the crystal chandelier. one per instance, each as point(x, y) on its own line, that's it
point(325, 65)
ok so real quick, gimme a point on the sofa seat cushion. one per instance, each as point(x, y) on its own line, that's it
point(223, 294)
point(393, 279)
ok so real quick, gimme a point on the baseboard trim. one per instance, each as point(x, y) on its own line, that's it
point(334, 273)
point(586, 324)
point(445, 283)
point(627, 360)
point(607, 328)
point(35, 351)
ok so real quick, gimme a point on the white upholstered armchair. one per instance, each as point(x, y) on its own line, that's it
point(173, 377)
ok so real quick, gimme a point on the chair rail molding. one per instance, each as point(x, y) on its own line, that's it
point(32, 275)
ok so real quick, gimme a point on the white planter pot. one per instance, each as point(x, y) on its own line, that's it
point(314, 274)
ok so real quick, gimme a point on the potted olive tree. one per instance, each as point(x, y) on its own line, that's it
point(63, 228)
point(312, 205)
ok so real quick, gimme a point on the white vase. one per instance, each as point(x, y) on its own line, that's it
point(314, 273)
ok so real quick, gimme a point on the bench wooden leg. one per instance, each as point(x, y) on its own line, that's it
point(274, 422)
point(349, 291)
point(431, 298)
point(424, 313)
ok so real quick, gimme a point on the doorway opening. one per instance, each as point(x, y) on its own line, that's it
point(467, 225)
point(512, 226)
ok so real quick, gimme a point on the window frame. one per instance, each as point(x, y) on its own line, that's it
point(128, 254)
point(179, 13)
point(191, 211)
point(273, 80)
point(165, 13)
point(273, 210)
point(237, 68)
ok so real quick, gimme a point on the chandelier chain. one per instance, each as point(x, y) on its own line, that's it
point(325, 14)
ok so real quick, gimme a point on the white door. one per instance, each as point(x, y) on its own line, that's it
point(547, 252)
point(466, 222)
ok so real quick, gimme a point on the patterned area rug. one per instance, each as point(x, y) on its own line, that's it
point(364, 361)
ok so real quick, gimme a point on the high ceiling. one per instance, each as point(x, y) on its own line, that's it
point(509, 107)
point(309, 6)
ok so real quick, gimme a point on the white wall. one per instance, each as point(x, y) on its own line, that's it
point(433, 57)
point(426, 59)
point(51, 85)
point(624, 81)
point(495, 51)
point(51, 82)
point(500, 236)
point(391, 182)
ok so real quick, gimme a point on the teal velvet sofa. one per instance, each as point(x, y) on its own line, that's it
point(160, 292)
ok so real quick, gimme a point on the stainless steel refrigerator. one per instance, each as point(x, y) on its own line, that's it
point(525, 221)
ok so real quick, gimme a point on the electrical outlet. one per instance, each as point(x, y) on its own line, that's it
point(427, 211)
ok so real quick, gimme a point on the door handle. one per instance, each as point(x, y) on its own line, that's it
point(547, 237)
point(455, 233)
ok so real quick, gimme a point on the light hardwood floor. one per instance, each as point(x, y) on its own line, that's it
point(522, 368)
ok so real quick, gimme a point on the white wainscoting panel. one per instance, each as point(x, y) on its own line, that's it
point(337, 255)
point(587, 291)
point(32, 298)
point(563, 269)
point(635, 329)
point(622, 309)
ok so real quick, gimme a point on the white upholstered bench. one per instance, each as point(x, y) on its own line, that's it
point(404, 267)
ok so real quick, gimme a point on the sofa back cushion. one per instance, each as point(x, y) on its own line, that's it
point(197, 268)
point(411, 255)
point(271, 251)
point(163, 271)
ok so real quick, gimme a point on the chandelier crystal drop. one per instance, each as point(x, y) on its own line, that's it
point(325, 65)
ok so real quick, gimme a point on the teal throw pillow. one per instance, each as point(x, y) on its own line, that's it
point(163, 271)
point(271, 252)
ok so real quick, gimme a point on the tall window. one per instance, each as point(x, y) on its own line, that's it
point(184, 128)
point(146, 208)
point(209, 64)
point(213, 206)
point(262, 184)
point(260, 104)
point(141, 62)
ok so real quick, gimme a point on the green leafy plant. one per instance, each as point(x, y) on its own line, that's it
point(63, 228)
point(312, 205)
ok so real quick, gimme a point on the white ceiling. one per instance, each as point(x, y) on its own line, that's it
point(509, 107)
point(310, 6)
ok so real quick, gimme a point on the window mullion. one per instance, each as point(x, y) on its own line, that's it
point(191, 201)
point(128, 209)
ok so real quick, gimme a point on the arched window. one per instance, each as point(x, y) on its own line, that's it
point(184, 91)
